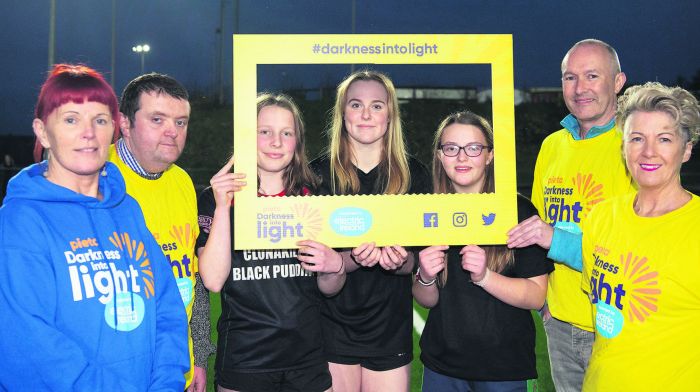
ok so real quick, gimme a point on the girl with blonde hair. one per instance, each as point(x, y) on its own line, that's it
point(368, 326)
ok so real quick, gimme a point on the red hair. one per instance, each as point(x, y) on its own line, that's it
point(78, 84)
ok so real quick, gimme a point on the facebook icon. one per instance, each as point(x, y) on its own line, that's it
point(430, 219)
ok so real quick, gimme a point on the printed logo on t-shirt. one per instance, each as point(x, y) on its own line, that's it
point(623, 290)
point(94, 273)
point(571, 202)
point(261, 270)
point(204, 222)
point(179, 254)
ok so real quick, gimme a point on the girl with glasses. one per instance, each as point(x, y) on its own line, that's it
point(479, 335)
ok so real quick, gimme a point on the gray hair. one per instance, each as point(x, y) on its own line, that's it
point(678, 103)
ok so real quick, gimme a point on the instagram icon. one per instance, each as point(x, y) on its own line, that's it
point(459, 219)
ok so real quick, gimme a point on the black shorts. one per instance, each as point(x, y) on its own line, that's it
point(315, 378)
point(378, 364)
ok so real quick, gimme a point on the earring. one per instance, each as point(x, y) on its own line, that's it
point(104, 171)
point(47, 157)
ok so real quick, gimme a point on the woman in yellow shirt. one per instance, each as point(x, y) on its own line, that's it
point(641, 254)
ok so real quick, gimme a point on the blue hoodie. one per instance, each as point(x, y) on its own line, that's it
point(87, 299)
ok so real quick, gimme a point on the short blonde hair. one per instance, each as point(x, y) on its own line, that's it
point(678, 103)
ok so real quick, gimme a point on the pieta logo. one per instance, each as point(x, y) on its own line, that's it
point(643, 286)
point(103, 274)
point(179, 254)
point(137, 252)
point(628, 287)
point(97, 272)
point(564, 203)
point(301, 221)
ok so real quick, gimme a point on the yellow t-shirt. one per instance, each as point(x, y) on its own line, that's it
point(169, 205)
point(571, 176)
point(643, 275)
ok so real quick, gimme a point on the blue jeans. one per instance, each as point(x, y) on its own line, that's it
point(569, 350)
point(436, 382)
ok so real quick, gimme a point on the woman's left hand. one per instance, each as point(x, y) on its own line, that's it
point(393, 257)
point(317, 257)
point(474, 261)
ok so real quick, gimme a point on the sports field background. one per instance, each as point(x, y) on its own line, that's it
point(210, 138)
point(543, 383)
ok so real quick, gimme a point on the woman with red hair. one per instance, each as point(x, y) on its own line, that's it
point(90, 300)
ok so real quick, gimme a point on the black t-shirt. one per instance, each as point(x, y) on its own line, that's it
point(421, 180)
point(472, 335)
point(270, 308)
point(372, 315)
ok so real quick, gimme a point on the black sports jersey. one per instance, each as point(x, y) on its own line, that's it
point(471, 334)
point(372, 315)
point(270, 308)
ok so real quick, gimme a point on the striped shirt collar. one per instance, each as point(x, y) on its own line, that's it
point(128, 158)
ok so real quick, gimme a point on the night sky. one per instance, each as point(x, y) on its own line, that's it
point(655, 40)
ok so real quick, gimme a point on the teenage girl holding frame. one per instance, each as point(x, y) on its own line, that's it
point(270, 325)
point(479, 335)
point(368, 326)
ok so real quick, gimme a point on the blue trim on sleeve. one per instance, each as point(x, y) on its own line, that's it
point(566, 245)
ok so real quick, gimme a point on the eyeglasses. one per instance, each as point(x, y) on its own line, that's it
point(471, 149)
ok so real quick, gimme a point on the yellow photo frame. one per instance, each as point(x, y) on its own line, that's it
point(348, 221)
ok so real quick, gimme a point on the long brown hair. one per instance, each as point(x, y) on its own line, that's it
point(393, 168)
point(498, 257)
point(297, 175)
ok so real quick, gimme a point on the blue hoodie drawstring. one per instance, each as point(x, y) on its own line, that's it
point(124, 254)
point(128, 259)
point(111, 274)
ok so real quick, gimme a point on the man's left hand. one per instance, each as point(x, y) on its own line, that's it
point(199, 380)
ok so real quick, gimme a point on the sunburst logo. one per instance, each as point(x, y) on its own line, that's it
point(184, 235)
point(309, 217)
point(590, 191)
point(137, 252)
point(643, 287)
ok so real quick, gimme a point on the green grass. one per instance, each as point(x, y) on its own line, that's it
point(214, 313)
point(543, 383)
point(417, 365)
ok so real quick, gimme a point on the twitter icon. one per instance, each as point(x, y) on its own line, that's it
point(488, 219)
